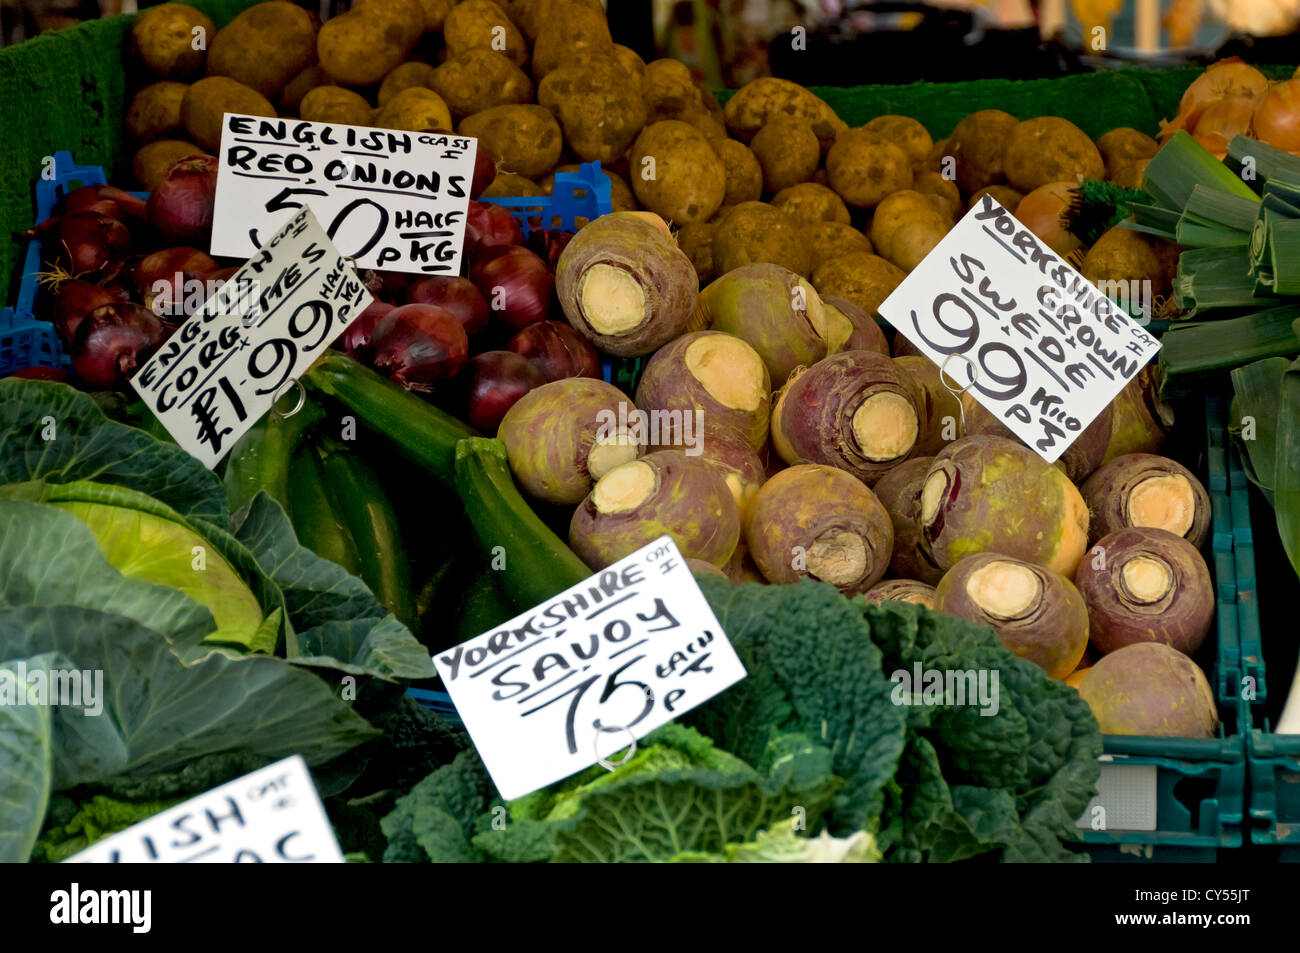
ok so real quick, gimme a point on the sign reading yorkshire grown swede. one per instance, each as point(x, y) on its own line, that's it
point(1007, 318)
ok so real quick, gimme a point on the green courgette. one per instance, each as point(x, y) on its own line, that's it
point(369, 517)
point(315, 514)
point(529, 562)
point(421, 432)
point(259, 460)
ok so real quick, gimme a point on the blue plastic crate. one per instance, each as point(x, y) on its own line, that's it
point(576, 195)
point(25, 341)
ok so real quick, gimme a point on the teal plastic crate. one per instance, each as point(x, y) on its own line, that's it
point(1196, 788)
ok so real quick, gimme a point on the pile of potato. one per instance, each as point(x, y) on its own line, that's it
point(775, 177)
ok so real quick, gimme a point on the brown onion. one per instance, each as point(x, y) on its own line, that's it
point(1277, 119)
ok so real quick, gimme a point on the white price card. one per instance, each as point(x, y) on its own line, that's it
point(272, 816)
point(1037, 344)
point(578, 678)
point(221, 371)
point(388, 199)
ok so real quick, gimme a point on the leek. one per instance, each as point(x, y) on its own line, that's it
point(1192, 358)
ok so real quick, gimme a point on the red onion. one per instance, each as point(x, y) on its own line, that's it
point(486, 225)
point(104, 199)
point(42, 374)
point(87, 245)
point(113, 341)
point(389, 285)
point(181, 207)
point(418, 345)
point(455, 294)
point(356, 339)
point(517, 285)
point(485, 171)
point(75, 299)
point(492, 382)
point(161, 279)
point(556, 350)
point(548, 243)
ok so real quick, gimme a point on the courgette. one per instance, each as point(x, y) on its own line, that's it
point(369, 517)
point(421, 432)
point(530, 563)
point(259, 460)
point(315, 514)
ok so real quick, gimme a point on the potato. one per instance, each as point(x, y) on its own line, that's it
point(676, 173)
point(755, 103)
point(935, 186)
point(978, 143)
point(620, 193)
point(482, 24)
point(1123, 146)
point(361, 46)
point(155, 110)
point(711, 104)
point(435, 13)
point(306, 80)
point(743, 174)
point(713, 130)
point(630, 60)
point(808, 203)
point(598, 105)
point(414, 109)
point(755, 232)
point(209, 99)
point(1050, 149)
point(336, 104)
point(572, 30)
point(668, 90)
point(864, 168)
point(865, 279)
point(906, 133)
point(404, 76)
point(473, 81)
point(264, 47)
point(1005, 195)
point(941, 160)
point(1150, 689)
point(524, 139)
point(696, 241)
point(787, 150)
point(827, 240)
point(1129, 175)
point(509, 185)
point(906, 226)
point(152, 161)
point(164, 38)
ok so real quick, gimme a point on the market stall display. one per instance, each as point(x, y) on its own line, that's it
point(456, 458)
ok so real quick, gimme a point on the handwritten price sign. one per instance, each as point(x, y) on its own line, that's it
point(1036, 343)
point(389, 199)
point(581, 676)
point(216, 376)
point(272, 816)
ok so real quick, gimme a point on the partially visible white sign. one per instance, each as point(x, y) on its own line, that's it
point(1038, 344)
point(221, 371)
point(389, 199)
point(576, 679)
point(272, 816)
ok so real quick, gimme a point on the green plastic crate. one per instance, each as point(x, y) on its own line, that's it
point(1200, 784)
